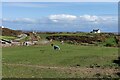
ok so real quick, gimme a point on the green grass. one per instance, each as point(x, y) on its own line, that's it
point(44, 55)
point(7, 37)
point(43, 35)
point(28, 72)
point(110, 42)
point(75, 34)
point(67, 56)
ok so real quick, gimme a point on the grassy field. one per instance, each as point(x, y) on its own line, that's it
point(72, 61)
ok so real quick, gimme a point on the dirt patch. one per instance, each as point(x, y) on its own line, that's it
point(73, 70)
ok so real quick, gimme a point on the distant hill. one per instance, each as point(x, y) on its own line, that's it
point(9, 32)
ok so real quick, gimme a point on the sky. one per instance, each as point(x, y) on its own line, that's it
point(61, 16)
point(60, 0)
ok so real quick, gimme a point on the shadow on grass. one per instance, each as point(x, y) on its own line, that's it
point(117, 62)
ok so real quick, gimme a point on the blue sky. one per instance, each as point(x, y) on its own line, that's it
point(60, 16)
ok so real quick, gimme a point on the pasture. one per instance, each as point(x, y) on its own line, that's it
point(72, 61)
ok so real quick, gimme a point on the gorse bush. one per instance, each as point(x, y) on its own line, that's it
point(110, 42)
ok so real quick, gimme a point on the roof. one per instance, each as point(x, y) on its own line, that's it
point(96, 30)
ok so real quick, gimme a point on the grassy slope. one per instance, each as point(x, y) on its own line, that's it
point(69, 55)
point(7, 37)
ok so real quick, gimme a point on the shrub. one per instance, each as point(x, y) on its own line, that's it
point(110, 42)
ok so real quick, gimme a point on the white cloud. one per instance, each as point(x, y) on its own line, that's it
point(29, 20)
point(55, 20)
point(20, 20)
point(62, 17)
point(98, 19)
point(89, 18)
point(6, 20)
point(66, 18)
point(66, 22)
point(109, 18)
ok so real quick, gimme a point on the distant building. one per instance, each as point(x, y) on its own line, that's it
point(34, 32)
point(2, 26)
point(96, 31)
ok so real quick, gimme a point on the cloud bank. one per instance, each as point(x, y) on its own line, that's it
point(66, 22)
